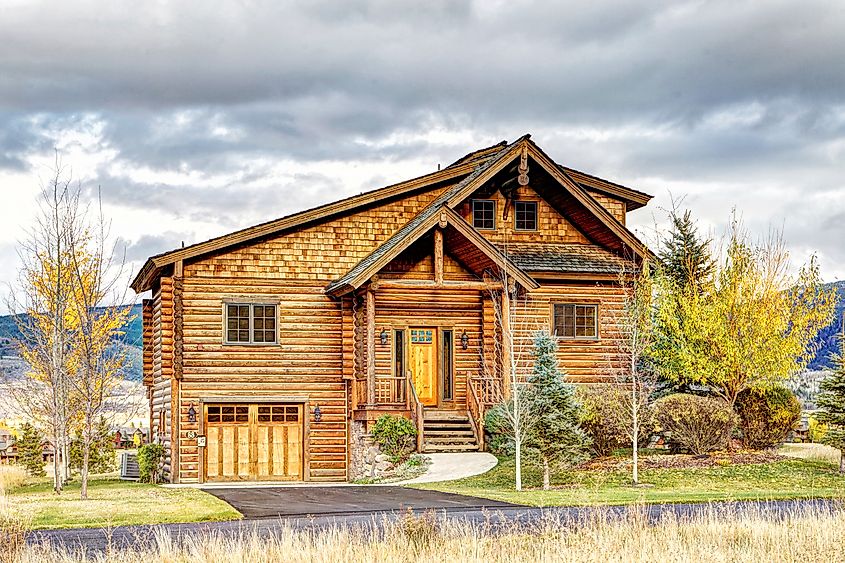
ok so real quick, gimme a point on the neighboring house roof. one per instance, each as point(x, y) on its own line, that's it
point(476, 164)
point(566, 258)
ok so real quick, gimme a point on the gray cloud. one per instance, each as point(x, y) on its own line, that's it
point(723, 99)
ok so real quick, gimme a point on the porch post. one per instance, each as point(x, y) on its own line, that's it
point(371, 346)
point(507, 341)
point(438, 256)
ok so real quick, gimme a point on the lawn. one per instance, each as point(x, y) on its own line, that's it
point(114, 503)
point(780, 479)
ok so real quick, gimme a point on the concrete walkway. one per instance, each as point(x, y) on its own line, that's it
point(448, 467)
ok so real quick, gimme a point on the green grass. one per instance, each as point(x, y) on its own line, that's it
point(113, 502)
point(787, 479)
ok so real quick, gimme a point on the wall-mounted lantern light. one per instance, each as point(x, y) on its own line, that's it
point(192, 413)
point(464, 340)
point(318, 414)
point(383, 336)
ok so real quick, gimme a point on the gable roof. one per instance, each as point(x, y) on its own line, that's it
point(468, 167)
point(412, 231)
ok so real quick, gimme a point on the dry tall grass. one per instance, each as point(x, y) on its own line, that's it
point(813, 452)
point(11, 476)
point(13, 524)
point(811, 536)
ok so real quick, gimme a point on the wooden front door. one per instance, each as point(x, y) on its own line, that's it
point(422, 354)
point(253, 442)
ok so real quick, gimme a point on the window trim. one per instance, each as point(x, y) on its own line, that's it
point(252, 304)
point(472, 214)
point(596, 307)
point(536, 216)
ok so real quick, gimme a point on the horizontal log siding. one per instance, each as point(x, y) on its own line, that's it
point(456, 309)
point(551, 226)
point(162, 368)
point(584, 361)
point(306, 362)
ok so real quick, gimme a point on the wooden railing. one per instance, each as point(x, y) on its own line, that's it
point(416, 409)
point(475, 411)
point(482, 393)
point(390, 390)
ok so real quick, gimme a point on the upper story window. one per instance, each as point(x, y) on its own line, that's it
point(484, 214)
point(525, 215)
point(575, 321)
point(250, 323)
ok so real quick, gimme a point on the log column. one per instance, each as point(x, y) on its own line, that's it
point(371, 345)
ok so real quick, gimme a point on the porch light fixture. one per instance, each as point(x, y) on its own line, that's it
point(318, 414)
point(383, 337)
point(464, 340)
point(192, 413)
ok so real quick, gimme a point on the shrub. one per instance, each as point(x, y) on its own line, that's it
point(395, 435)
point(606, 417)
point(766, 416)
point(150, 457)
point(698, 424)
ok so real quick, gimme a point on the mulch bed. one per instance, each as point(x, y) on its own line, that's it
point(684, 461)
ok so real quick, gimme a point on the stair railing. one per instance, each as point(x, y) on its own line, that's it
point(417, 413)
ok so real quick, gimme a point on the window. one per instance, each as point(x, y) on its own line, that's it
point(422, 336)
point(446, 365)
point(278, 413)
point(576, 321)
point(250, 324)
point(228, 413)
point(484, 214)
point(525, 215)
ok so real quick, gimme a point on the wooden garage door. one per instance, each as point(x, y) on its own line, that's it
point(253, 442)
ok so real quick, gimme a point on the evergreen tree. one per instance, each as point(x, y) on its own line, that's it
point(831, 401)
point(30, 453)
point(101, 455)
point(686, 257)
point(555, 435)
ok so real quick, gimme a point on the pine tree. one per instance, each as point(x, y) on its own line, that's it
point(831, 401)
point(555, 435)
point(686, 257)
point(30, 453)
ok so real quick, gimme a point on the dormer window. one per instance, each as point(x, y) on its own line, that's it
point(525, 215)
point(484, 214)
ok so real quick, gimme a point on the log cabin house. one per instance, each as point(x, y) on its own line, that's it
point(270, 351)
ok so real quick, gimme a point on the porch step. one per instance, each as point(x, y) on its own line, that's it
point(448, 431)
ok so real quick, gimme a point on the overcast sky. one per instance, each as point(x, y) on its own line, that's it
point(198, 118)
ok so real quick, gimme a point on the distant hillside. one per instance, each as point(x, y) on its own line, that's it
point(828, 339)
point(9, 334)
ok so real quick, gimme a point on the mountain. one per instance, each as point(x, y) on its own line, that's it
point(828, 338)
point(131, 339)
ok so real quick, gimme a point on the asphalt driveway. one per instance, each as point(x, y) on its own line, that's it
point(275, 502)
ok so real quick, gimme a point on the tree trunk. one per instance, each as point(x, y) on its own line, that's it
point(518, 461)
point(842, 460)
point(86, 455)
point(546, 476)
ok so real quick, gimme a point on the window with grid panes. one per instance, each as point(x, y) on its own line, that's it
point(576, 321)
point(484, 214)
point(525, 215)
point(250, 323)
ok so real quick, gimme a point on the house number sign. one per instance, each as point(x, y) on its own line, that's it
point(191, 434)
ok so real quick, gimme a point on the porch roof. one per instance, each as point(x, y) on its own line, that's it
point(456, 229)
point(567, 258)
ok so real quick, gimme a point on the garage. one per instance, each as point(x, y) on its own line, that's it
point(253, 442)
